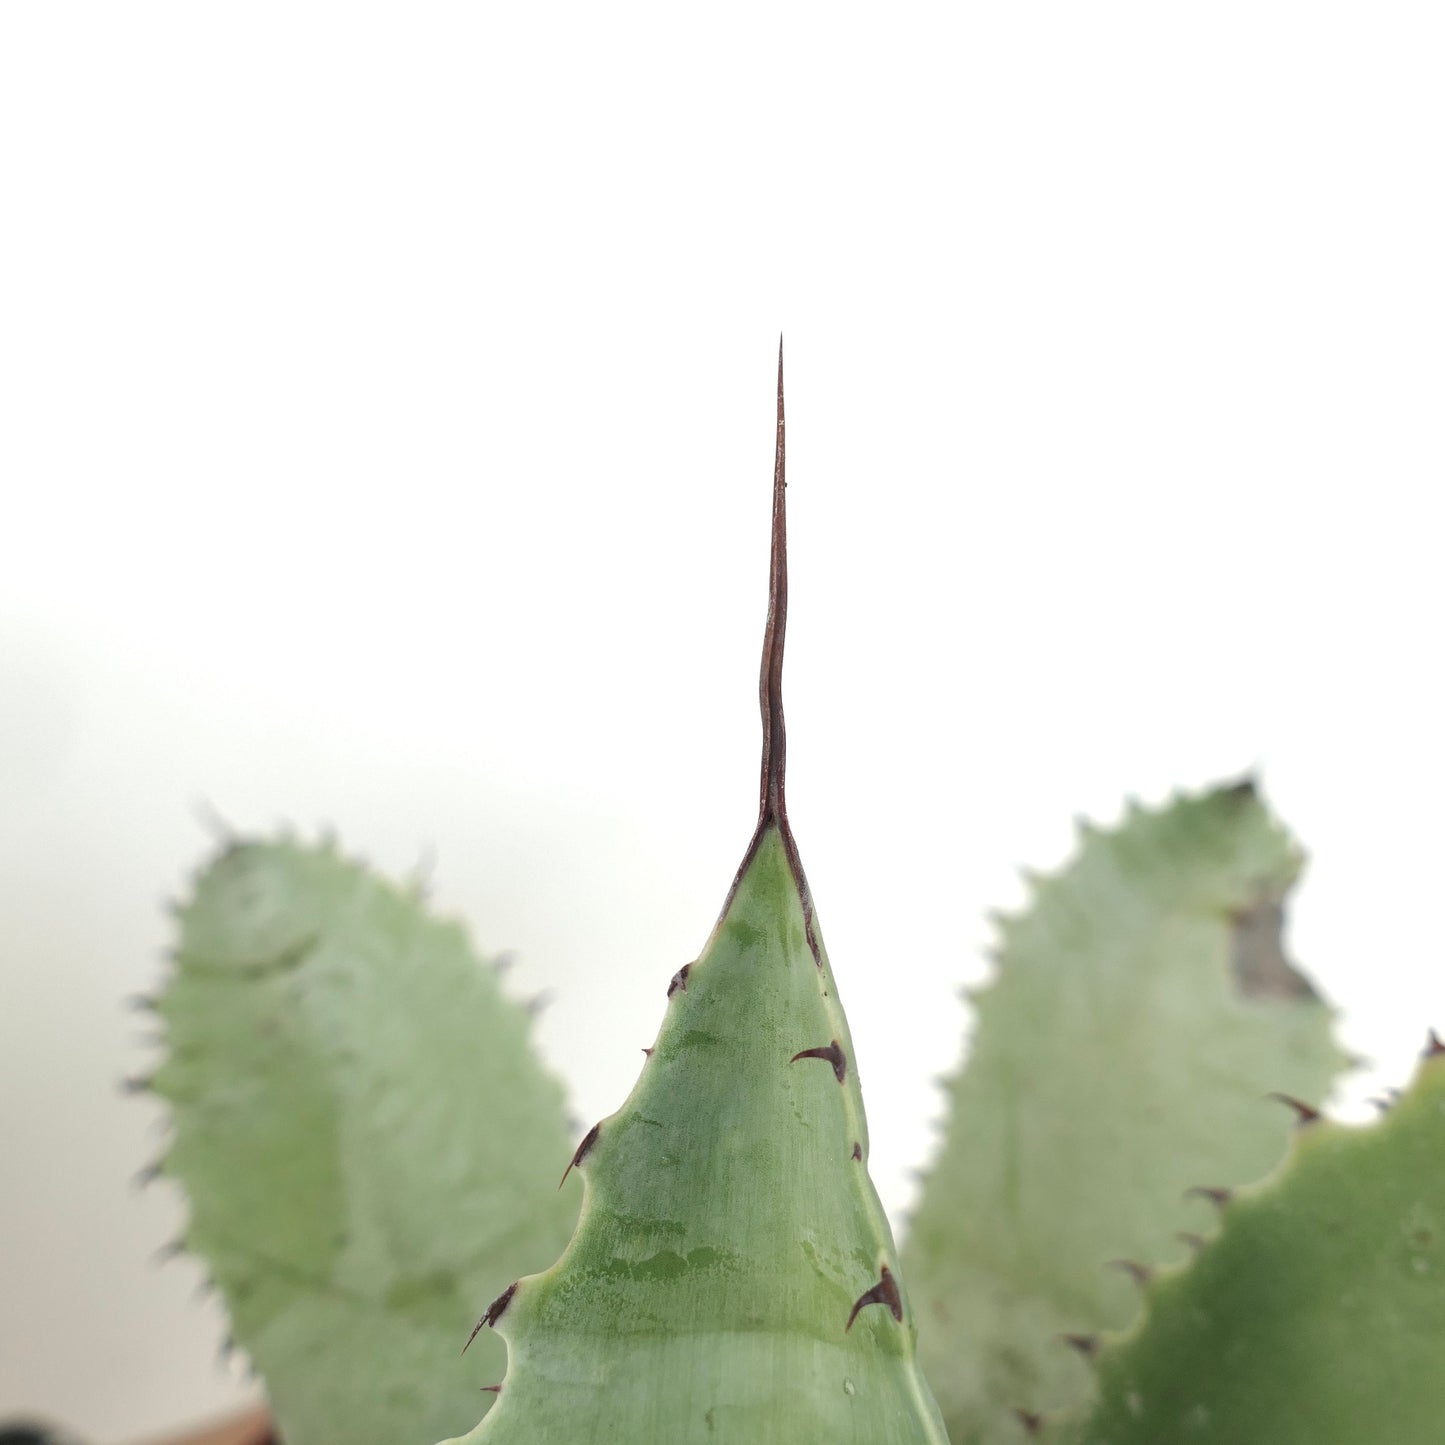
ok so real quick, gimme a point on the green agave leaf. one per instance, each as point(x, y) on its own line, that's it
point(732, 1277)
point(1317, 1315)
point(364, 1135)
point(1142, 1012)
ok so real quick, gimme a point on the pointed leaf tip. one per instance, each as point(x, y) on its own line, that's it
point(772, 805)
point(710, 1128)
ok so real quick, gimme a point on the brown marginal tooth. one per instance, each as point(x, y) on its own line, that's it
point(833, 1053)
point(1307, 1114)
point(491, 1389)
point(137, 1084)
point(885, 1292)
point(1029, 1420)
point(1213, 1193)
point(1434, 1045)
point(679, 980)
point(1086, 1345)
point(857, 1150)
point(1196, 1242)
point(493, 1313)
point(583, 1149)
point(1141, 1274)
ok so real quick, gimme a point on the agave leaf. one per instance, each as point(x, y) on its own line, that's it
point(364, 1135)
point(1142, 1012)
point(732, 1277)
point(1317, 1315)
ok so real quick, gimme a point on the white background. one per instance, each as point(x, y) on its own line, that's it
point(385, 440)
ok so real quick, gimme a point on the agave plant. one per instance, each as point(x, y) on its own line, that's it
point(371, 1149)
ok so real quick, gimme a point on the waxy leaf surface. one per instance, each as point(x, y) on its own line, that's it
point(1141, 1014)
point(732, 1277)
point(1317, 1315)
point(364, 1135)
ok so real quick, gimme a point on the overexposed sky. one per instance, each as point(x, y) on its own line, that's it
point(385, 441)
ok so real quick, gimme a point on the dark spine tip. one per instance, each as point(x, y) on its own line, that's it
point(678, 982)
point(1304, 1113)
point(138, 1084)
point(885, 1292)
point(491, 1389)
point(583, 1150)
point(857, 1151)
point(1086, 1345)
point(1196, 1242)
point(149, 1174)
point(1434, 1045)
point(772, 796)
point(492, 1314)
point(772, 802)
point(1031, 1422)
point(1141, 1274)
point(833, 1053)
point(772, 805)
point(1217, 1196)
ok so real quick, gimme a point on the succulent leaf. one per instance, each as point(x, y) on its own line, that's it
point(1142, 1011)
point(732, 1277)
point(729, 1277)
point(1317, 1314)
point(364, 1135)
